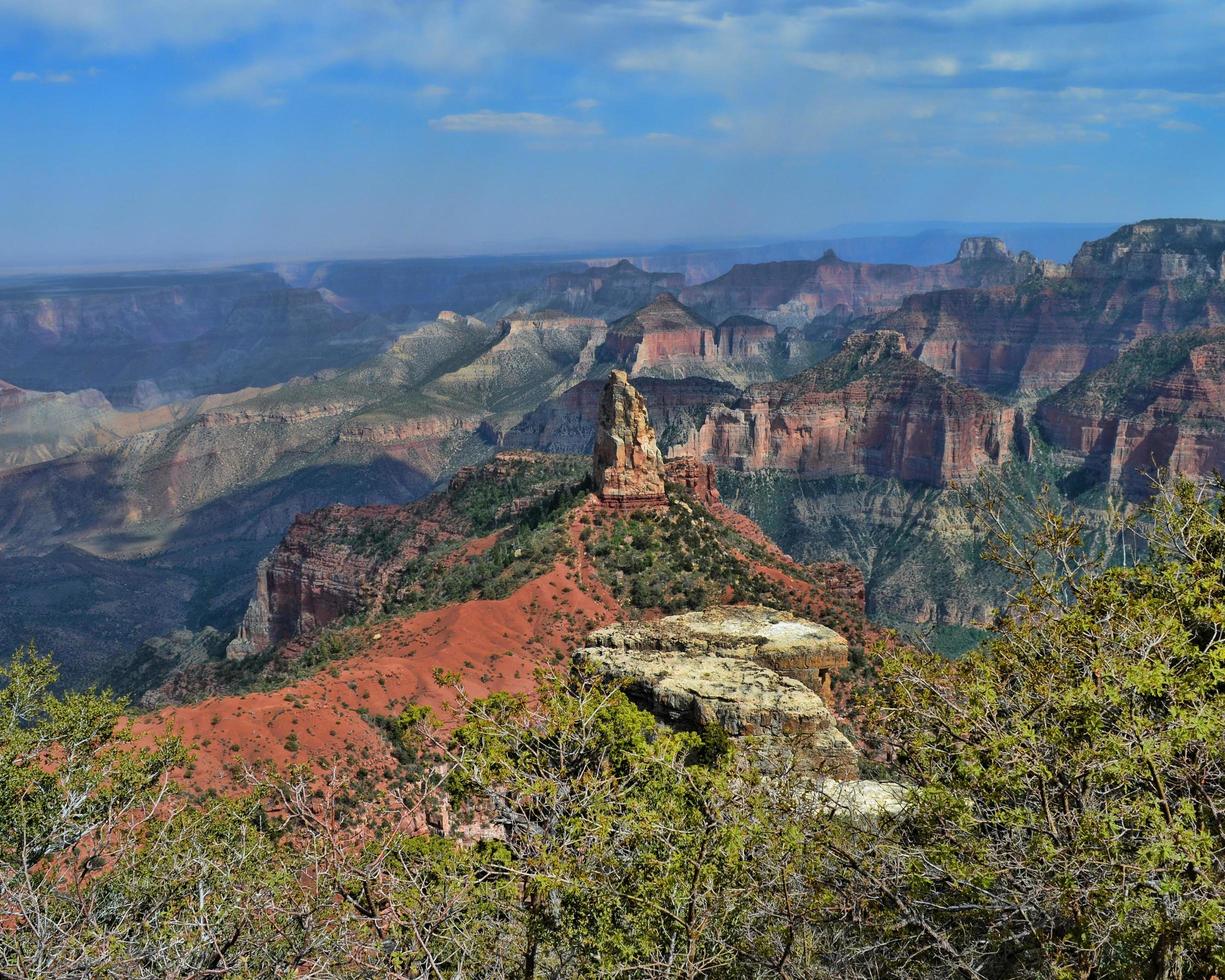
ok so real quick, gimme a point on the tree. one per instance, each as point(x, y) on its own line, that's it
point(1068, 778)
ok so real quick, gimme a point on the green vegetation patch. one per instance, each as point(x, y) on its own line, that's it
point(1123, 385)
point(685, 559)
point(525, 550)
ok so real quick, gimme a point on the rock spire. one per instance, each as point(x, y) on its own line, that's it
point(628, 467)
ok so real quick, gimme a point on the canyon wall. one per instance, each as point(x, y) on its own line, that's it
point(871, 409)
point(1160, 406)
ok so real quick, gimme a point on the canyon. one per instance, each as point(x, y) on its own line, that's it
point(843, 447)
point(352, 579)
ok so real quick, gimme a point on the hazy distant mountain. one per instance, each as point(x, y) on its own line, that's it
point(925, 245)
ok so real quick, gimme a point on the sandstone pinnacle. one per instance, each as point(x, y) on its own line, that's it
point(628, 467)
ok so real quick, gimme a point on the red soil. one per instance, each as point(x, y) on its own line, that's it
point(495, 645)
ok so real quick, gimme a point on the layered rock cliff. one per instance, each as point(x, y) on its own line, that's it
point(871, 409)
point(792, 293)
point(1146, 279)
point(1161, 405)
point(667, 339)
point(1162, 250)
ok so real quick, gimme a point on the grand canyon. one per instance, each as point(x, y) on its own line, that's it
point(843, 405)
point(664, 490)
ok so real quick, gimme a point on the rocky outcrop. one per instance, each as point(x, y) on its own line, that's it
point(792, 293)
point(1163, 250)
point(871, 409)
point(1161, 405)
point(332, 563)
point(698, 480)
point(751, 670)
point(628, 467)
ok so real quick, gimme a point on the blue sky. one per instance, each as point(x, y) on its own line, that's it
point(241, 129)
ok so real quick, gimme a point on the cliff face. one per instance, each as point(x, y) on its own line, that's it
point(1145, 280)
point(1161, 405)
point(871, 409)
point(342, 560)
point(331, 563)
point(792, 293)
point(667, 339)
point(1164, 250)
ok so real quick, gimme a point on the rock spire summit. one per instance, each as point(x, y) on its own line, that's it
point(627, 466)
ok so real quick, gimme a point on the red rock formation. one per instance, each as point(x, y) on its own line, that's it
point(1162, 405)
point(871, 409)
point(1144, 280)
point(341, 560)
point(333, 562)
point(627, 465)
point(666, 337)
point(698, 479)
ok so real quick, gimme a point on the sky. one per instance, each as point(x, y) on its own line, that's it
point(162, 130)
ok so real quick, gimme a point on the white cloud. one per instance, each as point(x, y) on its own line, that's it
point(585, 105)
point(133, 25)
point(50, 77)
point(846, 64)
point(520, 123)
point(941, 67)
point(1010, 61)
point(1181, 126)
point(433, 91)
point(667, 139)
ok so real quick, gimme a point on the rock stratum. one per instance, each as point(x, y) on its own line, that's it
point(871, 409)
point(752, 671)
point(1159, 406)
point(1147, 279)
